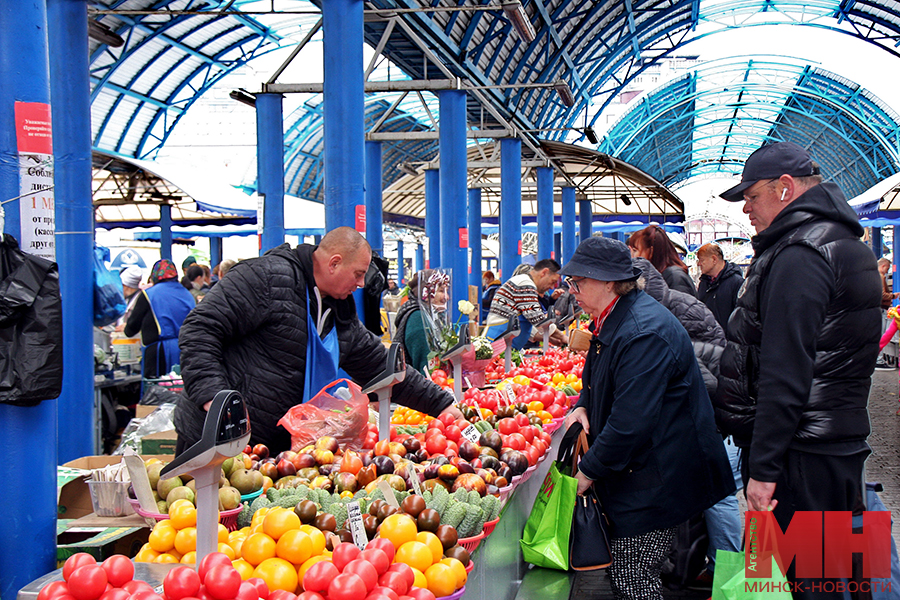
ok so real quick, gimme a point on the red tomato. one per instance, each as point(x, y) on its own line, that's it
point(377, 556)
point(310, 596)
point(366, 572)
point(319, 576)
point(395, 580)
point(75, 561)
point(436, 444)
point(147, 595)
point(134, 586)
point(118, 594)
point(521, 419)
point(181, 582)
point(346, 586)
point(343, 554)
point(262, 589)
point(223, 582)
point(436, 424)
point(283, 595)
point(453, 433)
point(508, 425)
point(382, 448)
point(383, 593)
point(556, 411)
point(418, 593)
point(52, 590)
point(439, 373)
point(87, 582)
point(406, 571)
point(546, 437)
point(247, 591)
point(385, 546)
point(119, 570)
point(447, 419)
point(540, 446)
point(517, 441)
point(209, 561)
point(532, 454)
point(527, 433)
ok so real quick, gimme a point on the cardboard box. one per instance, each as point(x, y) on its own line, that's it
point(142, 410)
point(162, 443)
point(73, 495)
point(101, 542)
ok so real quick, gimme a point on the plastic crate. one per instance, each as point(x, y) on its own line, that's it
point(228, 518)
point(172, 385)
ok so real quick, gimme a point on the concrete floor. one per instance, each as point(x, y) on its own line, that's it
point(883, 466)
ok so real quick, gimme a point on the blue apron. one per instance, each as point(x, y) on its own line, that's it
point(321, 356)
point(170, 303)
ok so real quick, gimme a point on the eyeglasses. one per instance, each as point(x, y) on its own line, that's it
point(573, 284)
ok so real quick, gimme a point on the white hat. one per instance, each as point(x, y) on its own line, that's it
point(131, 276)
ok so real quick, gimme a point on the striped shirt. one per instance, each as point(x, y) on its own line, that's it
point(518, 296)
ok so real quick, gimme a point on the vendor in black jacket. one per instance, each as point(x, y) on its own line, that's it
point(251, 334)
point(802, 343)
point(720, 281)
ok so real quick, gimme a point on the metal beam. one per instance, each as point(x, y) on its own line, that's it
point(412, 85)
point(392, 136)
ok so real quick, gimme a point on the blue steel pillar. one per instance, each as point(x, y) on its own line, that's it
point(71, 110)
point(433, 216)
point(569, 243)
point(165, 231)
point(400, 273)
point(545, 212)
point(585, 220)
point(475, 240)
point(28, 529)
point(374, 207)
point(420, 258)
point(877, 244)
point(270, 168)
point(454, 245)
point(344, 126)
point(510, 206)
point(557, 247)
point(215, 251)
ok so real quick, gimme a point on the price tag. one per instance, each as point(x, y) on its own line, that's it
point(477, 409)
point(357, 529)
point(471, 433)
point(414, 480)
point(510, 395)
point(388, 492)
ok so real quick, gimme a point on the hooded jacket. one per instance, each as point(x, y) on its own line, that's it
point(707, 336)
point(720, 294)
point(803, 338)
point(250, 334)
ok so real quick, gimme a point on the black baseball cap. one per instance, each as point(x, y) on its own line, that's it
point(603, 259)
point(771, 162)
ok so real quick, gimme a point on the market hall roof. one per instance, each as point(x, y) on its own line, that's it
point(176, 49)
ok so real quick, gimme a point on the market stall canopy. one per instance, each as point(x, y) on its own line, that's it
point(128, 192)
point(617, 190)
point(879, 206)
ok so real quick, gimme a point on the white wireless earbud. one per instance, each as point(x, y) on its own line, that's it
point(783, 192)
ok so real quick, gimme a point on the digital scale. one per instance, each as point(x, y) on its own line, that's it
point(394, 372)
point(226, 432)
point(512, 331)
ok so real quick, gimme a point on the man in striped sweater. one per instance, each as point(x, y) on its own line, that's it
point(518, 298)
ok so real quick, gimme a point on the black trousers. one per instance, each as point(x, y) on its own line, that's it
point(816, 482)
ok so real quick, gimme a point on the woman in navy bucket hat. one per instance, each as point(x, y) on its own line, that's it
point(655, 458)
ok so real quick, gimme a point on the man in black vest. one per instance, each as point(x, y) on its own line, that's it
point(802, 343)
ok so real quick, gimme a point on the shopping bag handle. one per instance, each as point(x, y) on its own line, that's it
point(567, 444)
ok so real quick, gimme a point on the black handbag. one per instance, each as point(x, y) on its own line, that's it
point(589, 540)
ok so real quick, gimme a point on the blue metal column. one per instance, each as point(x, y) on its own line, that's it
point(165, 231)
point(877, 244)
point(545, 212)
point(71, 110)
point(420, 258)
point(557, 247)
point(270, 168)
point(28, 529)
point(510, 206)
point(433, 216)
point(569, 243)
point(400, 273)
point(454, 235)
point(374, 207)
point(343, 103)
point(585, 220)
point(475, 240)
point(215, 251)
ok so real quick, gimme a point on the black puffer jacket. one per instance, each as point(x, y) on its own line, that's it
point(678, 279)
point(707, 337)
point(803, 339)
point(249, 334)
point(720, 295)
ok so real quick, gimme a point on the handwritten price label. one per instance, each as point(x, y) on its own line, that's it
point(357, 529)
point(471, 434)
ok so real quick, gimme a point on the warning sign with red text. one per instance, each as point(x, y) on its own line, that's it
point(34, 142)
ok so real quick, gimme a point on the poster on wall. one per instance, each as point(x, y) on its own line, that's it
point(34, 143)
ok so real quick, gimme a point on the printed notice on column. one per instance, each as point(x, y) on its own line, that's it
point(35, 145)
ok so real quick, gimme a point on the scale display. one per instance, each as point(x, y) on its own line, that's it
point(234, 421)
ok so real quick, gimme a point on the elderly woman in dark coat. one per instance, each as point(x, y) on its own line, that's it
point(655, 458)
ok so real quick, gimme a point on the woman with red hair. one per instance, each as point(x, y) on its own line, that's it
point(652, 243)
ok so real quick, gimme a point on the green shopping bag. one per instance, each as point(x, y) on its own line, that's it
point(545, 540)
point(730, 583)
